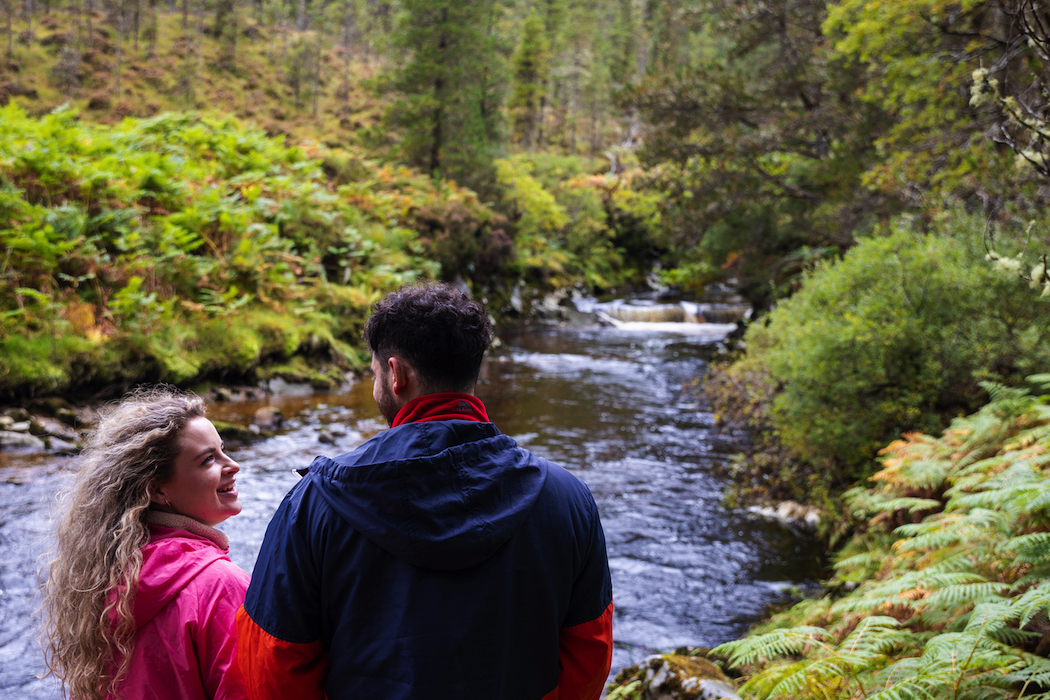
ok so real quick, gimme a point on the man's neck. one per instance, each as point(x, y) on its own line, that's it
point(443, 406)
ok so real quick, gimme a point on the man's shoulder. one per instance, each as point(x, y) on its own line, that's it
point(561, 483)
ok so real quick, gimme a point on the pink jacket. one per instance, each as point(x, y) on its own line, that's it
point(186, 605)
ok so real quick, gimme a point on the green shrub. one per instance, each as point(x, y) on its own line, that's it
point(894, 337)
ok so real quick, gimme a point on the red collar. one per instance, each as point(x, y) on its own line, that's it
point(444, 406)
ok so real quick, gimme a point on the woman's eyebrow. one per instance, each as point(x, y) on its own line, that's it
point(205, 451)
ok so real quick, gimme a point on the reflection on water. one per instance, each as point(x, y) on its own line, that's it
point(612, 405)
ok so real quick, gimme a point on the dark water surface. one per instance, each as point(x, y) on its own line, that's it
point(614, 406)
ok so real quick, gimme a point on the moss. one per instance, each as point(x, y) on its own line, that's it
point(34, 364)
point(235, 432)
point(227, 346)
point(278, 333)
point(299, 370)
point(668, 675)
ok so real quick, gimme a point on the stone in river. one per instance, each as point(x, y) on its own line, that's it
point(676, 677)
point(268, 418)
point(55, 428)
point(18, 414)
point(61, 447)
point(19, 440)
point(325, 437)
point(237, 433)
point(21, 426)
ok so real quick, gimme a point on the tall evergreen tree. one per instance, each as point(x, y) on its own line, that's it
point(450, 81)
point(624, 44)
point(531, 71)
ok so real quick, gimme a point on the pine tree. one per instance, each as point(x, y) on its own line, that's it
point(531, 71)
point(450, 80)
point(623, 40)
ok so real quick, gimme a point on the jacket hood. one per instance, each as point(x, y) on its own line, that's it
point(439, 494)
point(170, 561)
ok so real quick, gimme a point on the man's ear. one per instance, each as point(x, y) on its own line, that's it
point(401, 374)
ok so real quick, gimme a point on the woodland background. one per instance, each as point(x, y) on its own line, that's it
point(216, 190)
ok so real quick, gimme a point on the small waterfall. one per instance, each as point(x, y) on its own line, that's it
point(682, 312)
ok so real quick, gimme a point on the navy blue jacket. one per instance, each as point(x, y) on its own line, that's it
point(437, 560)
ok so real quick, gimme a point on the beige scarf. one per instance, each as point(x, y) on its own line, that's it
point(182, 522)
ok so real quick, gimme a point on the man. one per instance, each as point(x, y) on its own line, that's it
point(438, 560)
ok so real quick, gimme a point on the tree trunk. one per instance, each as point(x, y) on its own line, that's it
point(9, 10)
point(120, 44)
point(316, 88)
point(439, 115)
point(29, 18)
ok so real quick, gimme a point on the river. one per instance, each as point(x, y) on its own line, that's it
point(614, 405)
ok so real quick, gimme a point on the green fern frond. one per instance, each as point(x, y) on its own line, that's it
point(909, 504)
point(976, 592)
point(1031, 548)
point(820, 672)
point(782, 642)
point(988, 618)
point(1033, 602)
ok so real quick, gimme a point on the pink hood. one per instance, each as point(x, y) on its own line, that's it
point(171, 560)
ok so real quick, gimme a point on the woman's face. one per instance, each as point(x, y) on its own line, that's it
point(202, 481)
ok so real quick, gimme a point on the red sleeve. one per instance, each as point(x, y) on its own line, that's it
point(274, 669)
point(584, 659)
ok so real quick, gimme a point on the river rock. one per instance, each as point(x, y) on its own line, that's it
point(325, 437)
point(21, 426)
point(268, 418)
point(237, 433)
point(61, 447)
point(6, 422)
point(17, 414)
point(9, 440)
point(790, 513)
point(54, 428)
point(67, 416)
point(223, 394)
point(673, 677)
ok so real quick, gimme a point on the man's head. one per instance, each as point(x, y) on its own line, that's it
point(425, 340)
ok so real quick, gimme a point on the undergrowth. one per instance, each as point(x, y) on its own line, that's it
point(949, 570)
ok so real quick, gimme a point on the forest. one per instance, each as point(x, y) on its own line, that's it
point(216, 191)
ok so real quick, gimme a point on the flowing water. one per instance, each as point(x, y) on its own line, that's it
point(615, 405)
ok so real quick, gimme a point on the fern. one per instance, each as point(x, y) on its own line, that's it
point(748, 650)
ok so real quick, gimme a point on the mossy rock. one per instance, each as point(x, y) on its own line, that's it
point(235, 432)
point(672, 677)
point(300, 371)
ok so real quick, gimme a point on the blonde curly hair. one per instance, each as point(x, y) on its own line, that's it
point(92, 577)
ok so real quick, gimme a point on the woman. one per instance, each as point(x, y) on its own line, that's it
point(141, 596)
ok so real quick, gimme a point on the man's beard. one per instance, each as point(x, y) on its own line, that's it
point(386, 402)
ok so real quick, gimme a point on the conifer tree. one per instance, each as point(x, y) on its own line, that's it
point(531, 71)
point(623, 40)
point(450, 83)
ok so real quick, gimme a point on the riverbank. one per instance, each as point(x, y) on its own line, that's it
point(941, 588)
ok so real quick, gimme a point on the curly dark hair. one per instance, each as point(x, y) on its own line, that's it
point(439, 330)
